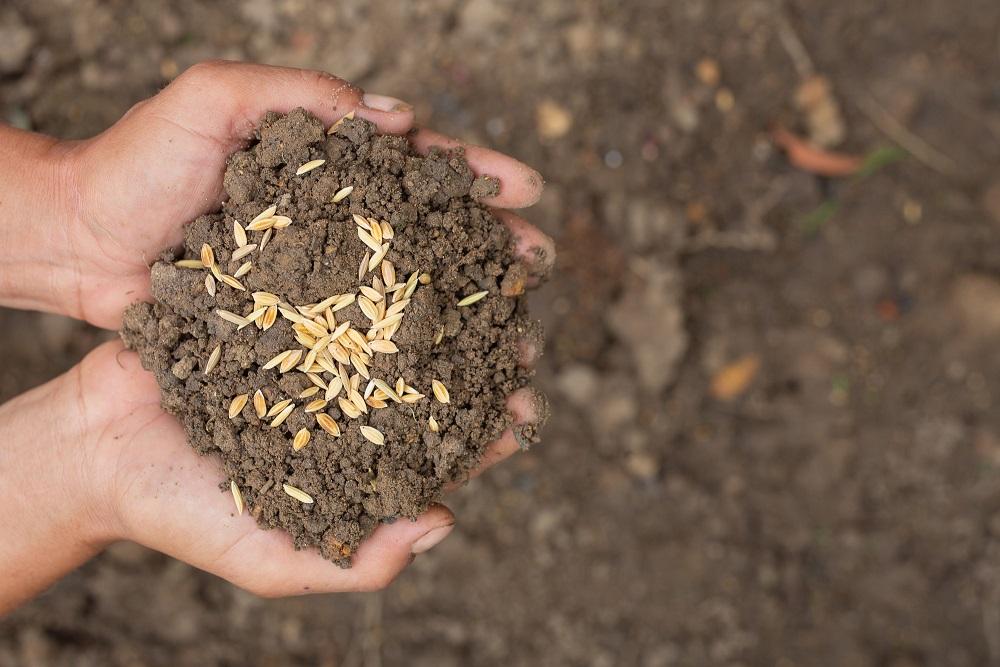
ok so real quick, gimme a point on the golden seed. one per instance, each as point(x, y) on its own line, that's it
point(265, 298)
point(232, 317)
point(343, 193)
point(327, 423)
point(472, 298)
point(440, 391)
point(363, 267)
point(368, 308)
point(359, 340)
point(259, 404)
point(282, 221)
point(349, 409)
point(261, 225)
point(266, 213)
point(412, 398)
point(400, 386)
point(440, 336)
point(388, 321)
point(378, 257)
point(215, 271)
point(387, 390)
point(189, 264)
point(213, 359)
point(301, 439)
point(360, 366)
point(397, 307)
point(278, 407)
point(384, 346)
point(335, 387)
point(371, 293)
point(343, 302)
point(237, 405)
point(277, 359)
point(425, 279)
point(388, 272)
point(265, 238)
point(360, 221)
point(433, 424)
point(242, 252)
point(376, 403)
point(210, 284)
point(298, 494)
point(282, 416)
point(324, 304)
point(307, 392)
point(233, 282)
point(373, 435)
point(269, 317)
point(317, 405)
point(239, 234)
point(207, 255)
point(411, 287)
point(376, 230)
point(333, 128)
point(237, 496)
point(387, 232)
point(309, 166)
point(369, 241)
point(291, 361)
point(243, 270)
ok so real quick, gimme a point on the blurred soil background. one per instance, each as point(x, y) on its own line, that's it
point(775, 437)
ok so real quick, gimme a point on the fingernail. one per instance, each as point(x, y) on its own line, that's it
point(384, 103)
point(431, 538)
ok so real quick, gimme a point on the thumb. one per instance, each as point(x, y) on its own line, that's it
point(225, 100)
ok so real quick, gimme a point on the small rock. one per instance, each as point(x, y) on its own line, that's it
point(552, 120)
point(649, 320)
point(707, 71)
point(16, 40)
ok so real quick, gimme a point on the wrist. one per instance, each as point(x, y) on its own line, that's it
point(38, 260)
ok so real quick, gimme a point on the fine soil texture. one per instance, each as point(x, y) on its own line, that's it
point(343, 334)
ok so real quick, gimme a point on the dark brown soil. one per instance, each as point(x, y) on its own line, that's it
point(473, 350)
point(843, 510)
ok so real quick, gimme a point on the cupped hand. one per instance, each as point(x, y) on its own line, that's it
point(123, 463)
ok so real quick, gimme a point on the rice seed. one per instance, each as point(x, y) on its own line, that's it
point(238, 320)
point(359, 340)
point(397, 307)
point(400, 385)
point(310, 359)
point(243, 270)
point(360, 221)
point(384, 346)
point(298, 494)
point(210, 284)
point(373, 435)
point(388, 321)
point(237, 404)
point(369, 388)
point(472, 298)
point(411, 287)
point(317, 405)
point(189, 264)
point(289, 362)
point(331, 320)
point(363, 267)
point(234, 283)
point(269, 317)
point(368, 308)
point(369, 241)
point(307, 392)
point(342, 194)
point(333, 128)
point(432, 424)
point(440, 336)
point(277, 359)
point(327, 423)
point(349, 409)
point(309, 166)
point(242, 252)
point(376, 230)
point(237, 497)
point(324, 304)
point(316, 380)
point(339, 353)
point(440, 391)
point(239, 234)
point(266, 213)
point(216, 273)
point(413, 398)
point(213, 359)
point(387, 390)
point(259, 404)
point(373, 294)
point(388, 270)
point(278, 407)
point(360, 366)
point(282, 416)
point(376, 403)
point(265, 238)
point(281, 221)
point(261, 225)
point(388, 233)
point(343, 302)
point(207, 255)
point(301, 439)
point(336, 385)
point(265, 299)
point(378, 257)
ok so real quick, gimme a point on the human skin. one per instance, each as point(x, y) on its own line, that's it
point(90, 458)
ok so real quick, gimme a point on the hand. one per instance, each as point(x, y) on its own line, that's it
point(91, 458)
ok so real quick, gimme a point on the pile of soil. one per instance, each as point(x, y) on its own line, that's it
point(437, 228)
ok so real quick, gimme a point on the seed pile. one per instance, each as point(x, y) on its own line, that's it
point(344, 333)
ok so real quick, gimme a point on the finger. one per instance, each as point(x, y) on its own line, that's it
point(239, 94)
point(526, 409)
point(520, 185)
point(531, 245)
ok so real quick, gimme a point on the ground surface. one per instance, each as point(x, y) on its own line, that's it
point(775, 439)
